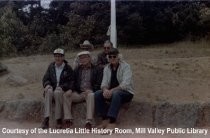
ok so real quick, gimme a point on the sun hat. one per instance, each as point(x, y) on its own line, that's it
point(86, 45)
point(83, 53)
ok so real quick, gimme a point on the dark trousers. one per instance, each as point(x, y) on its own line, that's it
point(118, 98)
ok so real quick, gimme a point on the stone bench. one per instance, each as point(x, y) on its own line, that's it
point(138, 114)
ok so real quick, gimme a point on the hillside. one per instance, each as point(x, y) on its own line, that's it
point(177, 73)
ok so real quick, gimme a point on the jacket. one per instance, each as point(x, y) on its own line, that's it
point(66, 78)
point(95, 83)
point(124, 77)
point(102, 59)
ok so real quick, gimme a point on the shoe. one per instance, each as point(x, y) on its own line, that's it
point(103, 124)
point(58, 124)
point(68, 124)
point(88, 125)
point(45, 123)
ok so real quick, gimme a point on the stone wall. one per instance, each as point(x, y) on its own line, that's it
point(138, 114)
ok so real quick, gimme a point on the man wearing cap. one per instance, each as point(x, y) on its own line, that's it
point(57, 80)
point(116, 88)
point(85, 83)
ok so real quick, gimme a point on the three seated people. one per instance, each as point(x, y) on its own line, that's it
point(108, 84)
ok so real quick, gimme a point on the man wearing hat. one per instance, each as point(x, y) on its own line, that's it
point(87, 45)
point(85, 83)
point(57, 80)
point(116, 88)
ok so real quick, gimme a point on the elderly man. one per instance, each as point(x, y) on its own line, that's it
point(117, 88)
point(102, 59)
point(87, 45)
point(57, 80)
point(85, 83)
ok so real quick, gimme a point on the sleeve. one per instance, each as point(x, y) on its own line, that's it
point(68, 84)
point(46, 79)
point(99, 61)
point(105, 80)
point(126, 78)
point(75, 75)
point(97, 79)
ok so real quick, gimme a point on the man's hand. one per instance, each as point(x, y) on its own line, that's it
point(68, 93)
point(107, 94)
point(47, 88)
point(86, 92)
point(59, 89)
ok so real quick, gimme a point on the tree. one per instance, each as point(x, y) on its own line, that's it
point(12, 31)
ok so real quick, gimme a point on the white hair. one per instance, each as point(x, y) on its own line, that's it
point(76, 60)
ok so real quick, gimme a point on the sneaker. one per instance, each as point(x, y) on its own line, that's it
point(45, 123)
point(103, 124)
point(88, 125)
point(68, 124)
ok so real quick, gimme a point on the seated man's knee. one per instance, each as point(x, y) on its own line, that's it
point(49, 92)
point(67, 93)
point(90, 95)
point(115, 93)
point(98, 93)
point(58, 93)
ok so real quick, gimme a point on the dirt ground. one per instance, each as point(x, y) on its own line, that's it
point(176, 73)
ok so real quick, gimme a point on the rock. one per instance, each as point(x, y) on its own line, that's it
point(23, 110)
point(79, 113)
point(137, 114)
point(204, 116)
point(15, 80)
point(3, 68)
point(2, 105)
point(176, 115)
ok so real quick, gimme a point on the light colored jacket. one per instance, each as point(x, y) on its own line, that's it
point(124, 77)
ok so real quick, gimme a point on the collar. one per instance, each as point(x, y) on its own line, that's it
point(111, 66)
point(62, 66)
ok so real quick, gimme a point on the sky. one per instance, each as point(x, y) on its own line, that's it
point(45, 3)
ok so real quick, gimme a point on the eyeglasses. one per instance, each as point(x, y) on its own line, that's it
point(112, 56)
point(107, 48)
